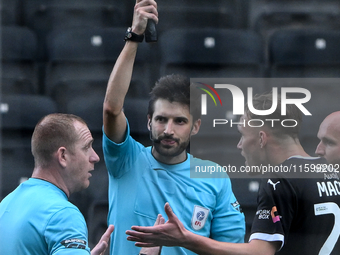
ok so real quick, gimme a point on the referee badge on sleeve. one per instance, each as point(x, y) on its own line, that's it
point(199, 217)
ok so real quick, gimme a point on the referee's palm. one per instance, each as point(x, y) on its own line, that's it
point(102, 245)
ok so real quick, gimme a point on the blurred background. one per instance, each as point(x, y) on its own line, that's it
point(57, 55)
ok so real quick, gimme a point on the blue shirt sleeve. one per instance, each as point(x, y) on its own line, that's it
point(66, 233)
point(228, 224)
point(119, 157)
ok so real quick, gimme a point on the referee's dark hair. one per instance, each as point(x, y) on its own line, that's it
point(176, 88)
point(265, 102)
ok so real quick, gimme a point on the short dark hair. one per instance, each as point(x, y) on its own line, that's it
point(175, 88)
point(264, 102)
point(52, 132)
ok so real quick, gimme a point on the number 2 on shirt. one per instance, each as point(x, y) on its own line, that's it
point(329, 208)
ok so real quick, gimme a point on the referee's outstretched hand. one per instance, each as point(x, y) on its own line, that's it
point(154, 250)
point(172, 233)
point(103, 243)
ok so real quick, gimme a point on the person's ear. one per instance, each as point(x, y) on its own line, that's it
point(149, 122)
point(62, 157)
point(196, 127)
point(262, 139)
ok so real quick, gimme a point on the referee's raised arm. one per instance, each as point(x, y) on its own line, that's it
point(120, 78)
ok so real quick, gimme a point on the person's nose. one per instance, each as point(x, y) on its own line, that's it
point(320, 149)
point(239, 145)
point(169, 128)
point(94, 158)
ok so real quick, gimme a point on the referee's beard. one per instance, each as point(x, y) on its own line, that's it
point(169, 150)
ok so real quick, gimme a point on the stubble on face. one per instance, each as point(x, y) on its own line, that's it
point(169, 146)
point(82, 164)
point(170, 130)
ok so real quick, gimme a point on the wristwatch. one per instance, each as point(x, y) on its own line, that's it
point(131, 36)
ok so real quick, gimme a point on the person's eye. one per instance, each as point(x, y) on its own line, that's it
point(160, 119)
point(181, 121)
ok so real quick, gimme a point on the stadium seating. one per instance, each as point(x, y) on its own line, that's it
point(80, 62)
point(267, 16)
point(304, 53)
point(44, 16)
point(47, 15)
point(19, 115)
point(211, 53)
point(199, 14)
point(10, 12)
point(18, 58)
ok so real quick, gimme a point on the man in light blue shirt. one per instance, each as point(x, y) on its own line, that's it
point(142, 179)
point(37, 218)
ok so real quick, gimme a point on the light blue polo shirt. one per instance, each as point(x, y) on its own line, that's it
point(139, 186)
point(37, 219)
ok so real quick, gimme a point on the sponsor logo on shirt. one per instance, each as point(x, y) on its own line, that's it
point(199, 217)
point(272, 183)
point(263, 214)
point(331, 176)
point(74, 243)
point(236, 206)
point(275, 215)
point(267, 214)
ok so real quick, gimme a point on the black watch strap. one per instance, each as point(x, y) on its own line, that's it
point(131, 36)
